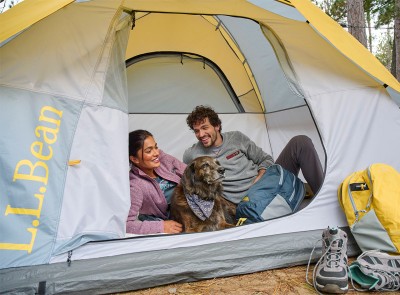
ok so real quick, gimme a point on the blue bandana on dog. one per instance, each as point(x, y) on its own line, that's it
point(200, 207)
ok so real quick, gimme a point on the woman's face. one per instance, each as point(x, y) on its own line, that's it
point(147, 157)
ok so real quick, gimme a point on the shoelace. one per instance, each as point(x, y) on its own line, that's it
point(333, 256)
point(370, 253)
point(388, 281)
point(314, 283)
point(366, 253)
point(329, 258)
point(391, 281)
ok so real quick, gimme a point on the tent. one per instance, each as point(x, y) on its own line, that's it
point(77, 76)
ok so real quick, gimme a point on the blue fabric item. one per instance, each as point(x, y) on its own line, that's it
point(167, 188)
point(145, 217)
point(200, 207)
point(276, 181)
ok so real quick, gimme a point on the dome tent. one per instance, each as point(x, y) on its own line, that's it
point(76, 77)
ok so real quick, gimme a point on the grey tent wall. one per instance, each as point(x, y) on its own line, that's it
point(149, 269)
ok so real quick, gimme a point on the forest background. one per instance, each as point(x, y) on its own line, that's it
point(374, 23)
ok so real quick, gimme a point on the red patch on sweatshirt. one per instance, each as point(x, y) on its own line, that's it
point(232, 155)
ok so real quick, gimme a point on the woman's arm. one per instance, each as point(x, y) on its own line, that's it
point(133, 224)
point(177, 164)
point(180, 167)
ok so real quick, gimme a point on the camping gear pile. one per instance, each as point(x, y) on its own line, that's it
point(77, 76)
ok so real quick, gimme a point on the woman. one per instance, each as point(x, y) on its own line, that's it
point(153, 176)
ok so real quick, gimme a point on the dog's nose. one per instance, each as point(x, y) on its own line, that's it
point(221, 170)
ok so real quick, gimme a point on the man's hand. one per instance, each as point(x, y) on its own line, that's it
point(172, 227)
point(260, 174)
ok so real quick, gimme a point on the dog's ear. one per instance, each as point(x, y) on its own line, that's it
point(188, 176)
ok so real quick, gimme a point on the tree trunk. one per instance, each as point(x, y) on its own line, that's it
point(396, 42)
point(369, 31)
point(393, 65)
point(356, 20)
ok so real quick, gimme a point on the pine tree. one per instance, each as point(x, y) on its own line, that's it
point(356, 20)
point(396, 44)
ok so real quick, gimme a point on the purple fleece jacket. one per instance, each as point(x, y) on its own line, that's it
point(147, 197)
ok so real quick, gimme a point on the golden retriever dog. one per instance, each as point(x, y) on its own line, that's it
point(197, 202)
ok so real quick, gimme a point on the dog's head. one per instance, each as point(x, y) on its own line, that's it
point(203, 175)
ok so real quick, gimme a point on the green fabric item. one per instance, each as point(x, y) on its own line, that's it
point(366, 281)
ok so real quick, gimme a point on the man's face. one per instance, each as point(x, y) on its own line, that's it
point(207, 134)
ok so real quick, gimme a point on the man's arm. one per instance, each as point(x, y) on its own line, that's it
point(256, 154)
point(191, 153)
point(187, 156)
point(261, 172)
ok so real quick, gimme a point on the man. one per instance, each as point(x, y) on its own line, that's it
point(245, 162)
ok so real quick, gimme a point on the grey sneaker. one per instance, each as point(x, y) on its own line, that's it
point(330, 272)
point(376, 271)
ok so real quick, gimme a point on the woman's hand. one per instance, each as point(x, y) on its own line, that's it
point(172, 227)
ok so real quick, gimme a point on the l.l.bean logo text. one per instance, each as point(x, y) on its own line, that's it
point(46, 134)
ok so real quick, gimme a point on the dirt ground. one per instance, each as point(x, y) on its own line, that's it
point(285, 281)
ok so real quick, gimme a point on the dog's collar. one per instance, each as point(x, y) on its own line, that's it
point(200, 207)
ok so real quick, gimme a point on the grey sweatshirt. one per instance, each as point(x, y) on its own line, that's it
point(240, 157)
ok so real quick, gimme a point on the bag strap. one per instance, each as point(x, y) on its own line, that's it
point(370, 181)
point(353, 204)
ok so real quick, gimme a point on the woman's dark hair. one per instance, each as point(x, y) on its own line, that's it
point(200, 113)
point(136, 140)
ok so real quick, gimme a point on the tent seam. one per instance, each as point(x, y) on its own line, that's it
point(62, 189)
point(344, 90)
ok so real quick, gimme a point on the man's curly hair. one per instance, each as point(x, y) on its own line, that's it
point(200, 113)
